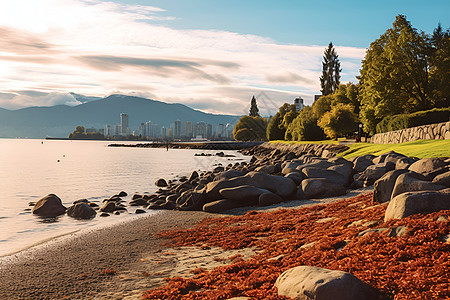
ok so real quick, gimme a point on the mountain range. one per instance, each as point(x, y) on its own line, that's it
point(60, 120)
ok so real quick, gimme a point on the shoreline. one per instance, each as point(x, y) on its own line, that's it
point(74, 265)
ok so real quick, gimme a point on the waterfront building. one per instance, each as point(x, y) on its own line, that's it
point(177, 129)
point(124, 130)
point(188, 133)
point(299, 105)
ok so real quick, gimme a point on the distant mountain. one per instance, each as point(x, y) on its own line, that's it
point(60, 120)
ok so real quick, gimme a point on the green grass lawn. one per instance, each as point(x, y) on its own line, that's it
point(420, 149)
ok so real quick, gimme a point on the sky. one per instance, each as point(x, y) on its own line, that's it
point(210, 55)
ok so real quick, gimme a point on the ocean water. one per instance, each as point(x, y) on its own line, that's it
point(31, 169)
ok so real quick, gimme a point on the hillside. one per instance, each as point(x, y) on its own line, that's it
point(58, 121)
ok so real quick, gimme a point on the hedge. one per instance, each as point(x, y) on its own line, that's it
point(398, 122)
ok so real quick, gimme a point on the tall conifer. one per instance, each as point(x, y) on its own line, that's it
point(331, 68)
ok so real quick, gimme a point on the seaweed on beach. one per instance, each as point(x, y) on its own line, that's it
point(414, 265)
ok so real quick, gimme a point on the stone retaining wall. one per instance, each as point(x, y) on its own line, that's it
point(438, 131)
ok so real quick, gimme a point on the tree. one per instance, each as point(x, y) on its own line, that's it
point(254, 111)
point(440, 67)
point(402, 73)
point(279, 123)
point(339, 121)
point(250, 129)
point(304, 127)
point(331, 68)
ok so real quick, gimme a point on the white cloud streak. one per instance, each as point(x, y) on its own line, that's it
point(96, 48)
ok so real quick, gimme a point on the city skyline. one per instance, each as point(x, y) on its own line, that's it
point(212, 56)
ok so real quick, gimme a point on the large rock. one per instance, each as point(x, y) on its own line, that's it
point(321, 188)
point(220, 206)
point(375, 172)
point(108, 206)
point(443, 179)
point(269, 169)
point(427, 165)
point(213, 188)
point(409, 182)
point(307, 283)
point(344, 169)
point(279, 185)
point(191, 200)
point(423, 202)
point(384, 186)
point(330, 175)
point(405, 162)
point(295, 176)
point(50, 206)
point(81, 210)
point(245, 194)
point(269, 198)
point(228, 175)
point(161, 182)
point(362, 162)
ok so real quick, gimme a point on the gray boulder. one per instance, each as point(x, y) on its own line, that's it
point(422, 202)
point(213, 188)
point(344, 169)
point(50, 206)
point(295, 176)
point(245, 194)
point(306, 283)
point(191, 200)
point(81, 210)
point(194, 175)
point(279, 185)
point(220, 206)
point(161, 183)
point(362, 162)
point(330, 175)
point(228, 174)
point(321, 188)
point(409, 182)
point(443, 179)
point(427, 165)
point(108, 206)
point(269, 169)
point(384, 186)
point(269, 198)
point(405, 162)
point(375, 172)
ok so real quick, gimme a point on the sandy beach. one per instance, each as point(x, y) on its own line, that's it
point(121, 261)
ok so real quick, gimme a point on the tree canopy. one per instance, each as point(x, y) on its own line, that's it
point(250, 129)
point(278, 124)
point(331, 69)
point(403, 71)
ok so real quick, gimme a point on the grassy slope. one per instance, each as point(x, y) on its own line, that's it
point(420, 149)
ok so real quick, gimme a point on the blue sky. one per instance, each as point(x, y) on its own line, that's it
point(211, 55)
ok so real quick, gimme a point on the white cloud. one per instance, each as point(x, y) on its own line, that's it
point(21, 99)
point(97, 47)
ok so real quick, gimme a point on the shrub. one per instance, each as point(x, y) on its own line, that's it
point(403, 121)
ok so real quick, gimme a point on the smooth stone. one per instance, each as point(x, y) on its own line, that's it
point(49, 206)
point(219, 206)
point(81, 210)
point(267, 199)
point(161, 183)
point(314, 188)
point(409, 182)
point(383, 187)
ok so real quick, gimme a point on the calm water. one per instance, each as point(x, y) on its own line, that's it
point(31, 169)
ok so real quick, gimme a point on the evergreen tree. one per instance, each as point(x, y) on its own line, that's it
point(254, 111)
point(331, 68)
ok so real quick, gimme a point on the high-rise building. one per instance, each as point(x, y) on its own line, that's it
point(177, 129)
point(124, 124)
point(200, 130)
point(299, 105)
point(220, 132)
point(209, 131)
point(170, 133)
point(188, 129)
point(163, 132)
point(108, 130)
point(142, 130)
point(117, 130)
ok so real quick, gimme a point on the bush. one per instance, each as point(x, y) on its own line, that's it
point(250, 129)
point(304, 127)
point(403, 121)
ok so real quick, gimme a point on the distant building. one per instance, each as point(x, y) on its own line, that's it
point(188, 133)
point(91, 130)
point(209, 131)
point(220, 132)
point(299, 105)
point(117, 130)
point(142, 130)
point(101, 131)
point(200, 130)
point(163, 132)
point(177, 129)
point(108, 130)
point(124, 130)
point(316, 97)
point(170, 134)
